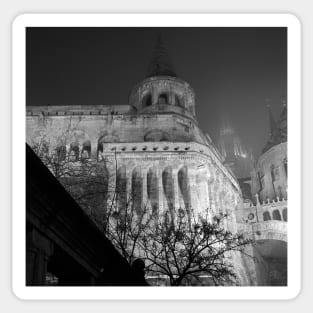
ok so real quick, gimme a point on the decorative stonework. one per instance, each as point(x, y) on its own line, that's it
point(153, 152)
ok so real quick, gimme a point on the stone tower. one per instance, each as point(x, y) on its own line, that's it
point(269, 176)
point(152, 149)
point(236, 157)
point(154, 140)
point(266, 218)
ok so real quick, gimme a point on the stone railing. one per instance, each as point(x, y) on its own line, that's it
point(68, 110)
point(262, 212)
point(276, 230)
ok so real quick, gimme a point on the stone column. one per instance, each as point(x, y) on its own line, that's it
point(111, 199)
point(94, 149)
point(216, 200)
point(171, 97)
point(210, 202)
point(80, 150)
point(160, 192)
point(129, 199)
point(68, 152)
point(38, 251)
point(145, 200)
point(175, 191)
point(211, 181)
point(161, 186)
point(258, 209)
point(154, 95)
point(194, 203)
point(222, 200)
point(213, 196)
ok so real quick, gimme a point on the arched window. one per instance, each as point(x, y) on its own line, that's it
point(285, 214)
point(163, 98)
point(86, 151)
point(74, 152)
point(146, 100)
point(99, 150)
point(266, 216)
point(61, 153)
point(178, 101)
point(276, 215)
point(165, 137)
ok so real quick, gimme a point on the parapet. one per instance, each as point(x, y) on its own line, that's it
point(55, 110)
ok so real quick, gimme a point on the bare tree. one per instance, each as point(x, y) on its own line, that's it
point(183, 250)
point(88, 181)
point(125, 228)
point(192, 248)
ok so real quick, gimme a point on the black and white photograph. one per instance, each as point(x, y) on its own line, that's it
point(156, 156)
point(156, 161)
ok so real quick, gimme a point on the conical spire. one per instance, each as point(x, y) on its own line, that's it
point(282, 123)
point(226, 127)
point(160, 64)
point(273, 125)
point(274, 130)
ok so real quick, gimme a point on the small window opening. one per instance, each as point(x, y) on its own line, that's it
point(61, 153)
point(86, 151)
point(74, 152)
point(163, 98)
point(147, 101)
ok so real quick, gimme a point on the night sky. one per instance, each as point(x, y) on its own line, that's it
point(232, 70)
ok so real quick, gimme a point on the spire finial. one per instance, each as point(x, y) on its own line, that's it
point(160, 64)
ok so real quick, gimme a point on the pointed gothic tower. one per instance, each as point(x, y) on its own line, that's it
point(161, 90)
point(235, 155)
point(282, 123)
point(160, 64)
point(277, 134)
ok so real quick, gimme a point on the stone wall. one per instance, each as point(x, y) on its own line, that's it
point(102, 128)
point(269, 178)
point(185, 166)
point(151, 152)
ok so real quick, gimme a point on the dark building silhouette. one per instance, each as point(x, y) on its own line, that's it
point(278, 129)
point(63, 246)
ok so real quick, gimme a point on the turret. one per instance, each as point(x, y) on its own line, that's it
point(161, 90)
point(278, 130)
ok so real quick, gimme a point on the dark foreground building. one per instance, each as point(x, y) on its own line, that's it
point(63, 246)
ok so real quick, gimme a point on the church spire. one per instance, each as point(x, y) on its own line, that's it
point(274, 130)
point(160, 64)
point(282, 122)
point(273, 125)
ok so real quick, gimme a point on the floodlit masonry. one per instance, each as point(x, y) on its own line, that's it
point(152, 148)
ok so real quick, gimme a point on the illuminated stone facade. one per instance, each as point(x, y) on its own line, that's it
point(153, 149)
point(264, 217)
point(158, 146)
